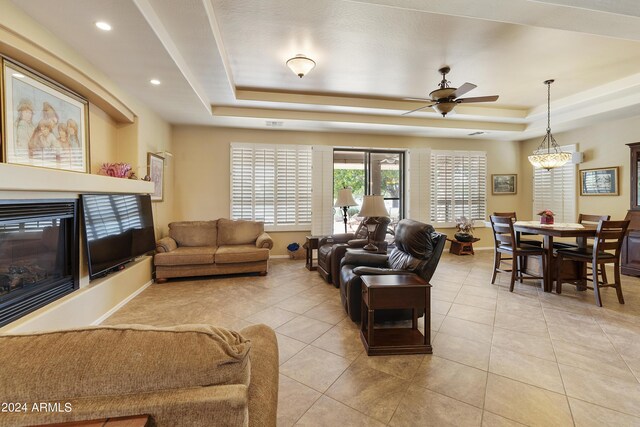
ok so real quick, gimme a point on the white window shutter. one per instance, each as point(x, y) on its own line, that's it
point(556, 190)
point(458, 186)
point(322, 193)
point(418, 184)
point(272, 184)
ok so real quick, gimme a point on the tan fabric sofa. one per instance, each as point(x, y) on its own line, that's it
point(191, 375)
point(202, 248)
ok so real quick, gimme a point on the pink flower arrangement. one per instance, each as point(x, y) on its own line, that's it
point(547, 213)
point(118, 170)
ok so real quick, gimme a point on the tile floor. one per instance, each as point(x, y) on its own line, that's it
point(499, 359)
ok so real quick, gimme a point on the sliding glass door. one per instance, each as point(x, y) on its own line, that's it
point(376, 172)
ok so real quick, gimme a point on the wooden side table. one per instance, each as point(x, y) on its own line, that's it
point(462, 248)
point(310, 245)
point(407, 291)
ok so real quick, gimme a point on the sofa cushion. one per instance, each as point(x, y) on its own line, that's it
point(238, 232)
point(118, 360)
point(240, 253)
point(186, 256)
point(194, 233)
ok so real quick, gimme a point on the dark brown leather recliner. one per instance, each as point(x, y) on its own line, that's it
point(331, 249)
point(418, 250)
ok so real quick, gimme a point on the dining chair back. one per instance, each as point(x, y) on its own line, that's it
point(606, 250)
point(518, 234)
point(505, 242)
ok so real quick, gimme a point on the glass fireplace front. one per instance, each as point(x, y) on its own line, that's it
point(38, 248)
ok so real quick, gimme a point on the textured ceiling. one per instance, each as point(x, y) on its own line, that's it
point(228, 56)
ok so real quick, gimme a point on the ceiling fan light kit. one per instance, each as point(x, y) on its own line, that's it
point(548, 155)
point(445, 98)
point(301, 65)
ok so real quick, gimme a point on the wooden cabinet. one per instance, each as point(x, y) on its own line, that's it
point(630, 263)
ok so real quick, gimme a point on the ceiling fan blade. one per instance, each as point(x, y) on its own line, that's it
point(463, 89)
point(418, 109)
point(478, 99)
point(417, 99)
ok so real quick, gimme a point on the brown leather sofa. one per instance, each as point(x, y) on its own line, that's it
point(189, 375)
point(331, 249)
point(202, 248)
point(418, 251)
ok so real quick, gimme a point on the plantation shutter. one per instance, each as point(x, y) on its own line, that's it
point(418, 184)
point(271, 183)
point(322, 201)
point(242, 181)
point(458, 186)
point(556, 190)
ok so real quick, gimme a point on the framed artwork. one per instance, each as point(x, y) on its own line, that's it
point(155, 170)
point(45, 124)
point(504, 184)
point(599, 182)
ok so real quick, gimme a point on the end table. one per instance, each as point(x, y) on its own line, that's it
point(310, 245)
point(395, 291)
point(462, 248)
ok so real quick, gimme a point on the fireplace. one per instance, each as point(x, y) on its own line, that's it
point(38, 254)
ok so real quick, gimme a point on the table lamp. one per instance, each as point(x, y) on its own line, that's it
point(373, 207)
point(344, 200)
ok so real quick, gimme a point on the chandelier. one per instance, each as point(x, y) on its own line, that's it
point(548, 154)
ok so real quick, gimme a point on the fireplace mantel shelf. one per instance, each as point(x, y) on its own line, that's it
point(27, 178)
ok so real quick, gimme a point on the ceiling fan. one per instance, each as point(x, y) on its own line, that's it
point(444, 99)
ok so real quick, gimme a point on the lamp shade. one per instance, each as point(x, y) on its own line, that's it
point(373, 206)
point(345, 198)
point(301, 65)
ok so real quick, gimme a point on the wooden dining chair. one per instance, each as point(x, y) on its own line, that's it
point(514, 217)
point(586, 219)
point(505, 242)
point(609, 236)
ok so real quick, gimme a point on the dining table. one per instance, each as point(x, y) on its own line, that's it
point(548, 232)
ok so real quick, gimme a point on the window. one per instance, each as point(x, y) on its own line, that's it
point(556, 190)
point(379, 172)
point(458, 186)
point(272, 184)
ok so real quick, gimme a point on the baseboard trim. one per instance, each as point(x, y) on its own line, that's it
point(278, 256)
point(118, 306)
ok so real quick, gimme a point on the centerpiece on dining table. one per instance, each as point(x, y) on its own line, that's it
point(546, 216)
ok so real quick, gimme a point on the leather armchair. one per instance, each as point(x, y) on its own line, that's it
point(331, 249)
point(418, 250)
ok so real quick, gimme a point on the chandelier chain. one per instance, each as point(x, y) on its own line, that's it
point(549, 107)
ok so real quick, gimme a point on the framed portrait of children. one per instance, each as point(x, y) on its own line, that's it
point(155, 170)
point(45, 124)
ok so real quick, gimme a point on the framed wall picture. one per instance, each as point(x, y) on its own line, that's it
point(45, 124)
point(599, 182)
point(504, 184)
point(155, 170)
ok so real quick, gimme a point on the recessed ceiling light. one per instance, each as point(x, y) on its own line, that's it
point(18, 75)
point(104, 26)
point(155, 82)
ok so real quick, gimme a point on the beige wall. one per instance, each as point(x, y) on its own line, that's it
point(203, 174)
point(603, 145)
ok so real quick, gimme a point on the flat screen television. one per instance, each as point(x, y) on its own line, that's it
point(117, 229)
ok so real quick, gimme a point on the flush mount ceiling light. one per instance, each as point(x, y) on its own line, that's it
point(155, 82)
point(301, 65)
point(104, 26)
point(549, 155)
